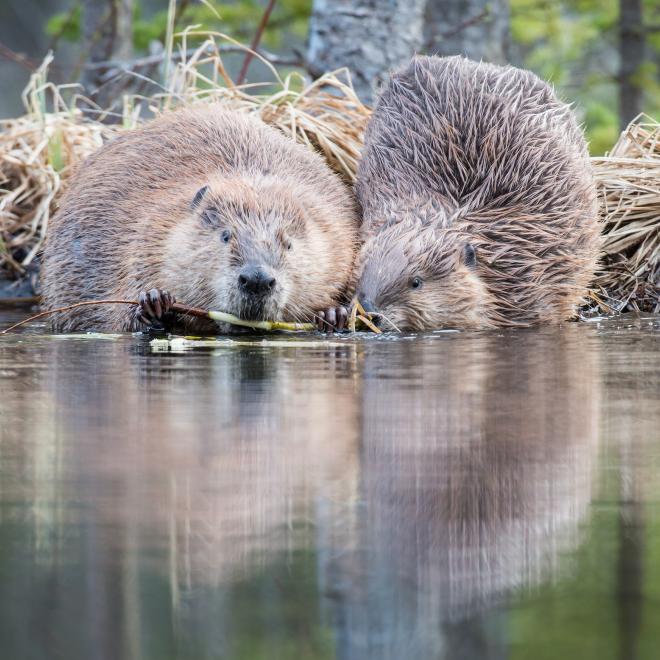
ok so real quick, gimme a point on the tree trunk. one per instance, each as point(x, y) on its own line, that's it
point(478, 29)
point(631, 54)
point(107, 35)
point(370, 37)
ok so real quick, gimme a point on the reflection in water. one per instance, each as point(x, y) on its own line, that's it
point(354, 499)
point(467, 492)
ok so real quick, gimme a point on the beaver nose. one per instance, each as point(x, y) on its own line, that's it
point(369, 307)
point(254, 280)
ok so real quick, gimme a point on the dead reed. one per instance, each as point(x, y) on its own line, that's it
point(39, 150)
point(628, 181)
point(37, 153)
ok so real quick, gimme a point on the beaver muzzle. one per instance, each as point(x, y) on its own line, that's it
point(257, 288)
point(256, 281)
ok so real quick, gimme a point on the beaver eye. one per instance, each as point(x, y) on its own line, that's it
point(416, 282)
point(225, 236)
point(289, 245)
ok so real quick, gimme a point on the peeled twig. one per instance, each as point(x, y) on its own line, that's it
point(358, 313)
point(369, 324)
point(221, 317)
point(353, 316)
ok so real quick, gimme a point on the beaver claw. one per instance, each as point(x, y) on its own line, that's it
point(332, 319)
point(153, 307)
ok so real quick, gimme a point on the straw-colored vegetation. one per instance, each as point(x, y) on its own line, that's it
point(629, 189)
point(39, 151)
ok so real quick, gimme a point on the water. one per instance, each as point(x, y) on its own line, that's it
point(454, 495)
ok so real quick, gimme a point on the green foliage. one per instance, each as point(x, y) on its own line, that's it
point(573, 43)
point(55, 152)
point(603, 126)
point(66, 25)
point(238, 19)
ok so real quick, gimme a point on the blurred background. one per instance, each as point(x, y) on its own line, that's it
point(603, 55)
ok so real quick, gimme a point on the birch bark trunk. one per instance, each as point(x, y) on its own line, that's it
point(370, 37)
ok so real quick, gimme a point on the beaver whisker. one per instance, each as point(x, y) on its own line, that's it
point(385, 318)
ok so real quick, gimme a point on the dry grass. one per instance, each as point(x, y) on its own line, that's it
point(39, 150)
point(629, 191)
point(325, 115)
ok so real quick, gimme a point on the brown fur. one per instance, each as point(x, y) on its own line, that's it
point(127, 222)
point(459, 153)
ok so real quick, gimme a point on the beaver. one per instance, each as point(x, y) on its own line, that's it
point(206, 205)
point(478, 199)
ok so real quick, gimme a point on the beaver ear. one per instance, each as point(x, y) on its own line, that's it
point(469, 255)
point(199, 196)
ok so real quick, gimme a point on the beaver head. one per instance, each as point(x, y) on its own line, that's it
point(416, 276)
point(250, 247)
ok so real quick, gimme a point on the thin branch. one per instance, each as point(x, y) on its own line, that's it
point(152, 60)
point(22, 300)
point(255, 42)
point(469, 22)
point(221, 317)
point(48, 312)
point(68, 20)
point(24, 61)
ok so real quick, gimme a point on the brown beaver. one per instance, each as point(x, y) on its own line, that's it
point(211, 206)
point(478, 198)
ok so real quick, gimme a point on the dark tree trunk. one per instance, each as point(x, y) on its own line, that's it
point(630, 560)
point(478, 29)
point(370, 37)
point(631, 54)
point(107, 36)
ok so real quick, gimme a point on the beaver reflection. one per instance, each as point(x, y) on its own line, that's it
point(475, 475)
point(422, 481)
point(216, 453)
point(192, 471)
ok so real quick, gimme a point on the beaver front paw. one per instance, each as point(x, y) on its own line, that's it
point(332, 319)
point(154, 309)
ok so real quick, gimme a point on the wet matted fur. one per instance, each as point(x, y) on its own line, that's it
point(478, 199)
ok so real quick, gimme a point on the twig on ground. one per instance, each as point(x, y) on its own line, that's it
point(221, 317)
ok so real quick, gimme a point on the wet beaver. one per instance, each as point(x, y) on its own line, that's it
point(478, 199)
point(211, 206)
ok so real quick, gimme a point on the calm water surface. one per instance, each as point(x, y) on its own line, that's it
point(454, 495)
